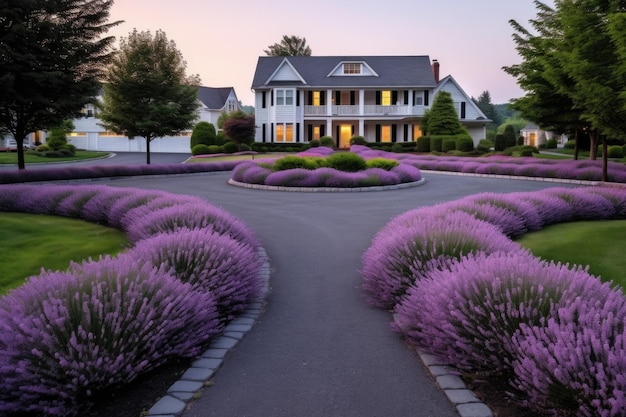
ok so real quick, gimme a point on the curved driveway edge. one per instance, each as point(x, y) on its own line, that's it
point(327, 189)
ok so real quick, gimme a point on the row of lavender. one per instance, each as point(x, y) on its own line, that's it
point(53, 173)
point(461, 289)
point(67, 335)
point(260, 172)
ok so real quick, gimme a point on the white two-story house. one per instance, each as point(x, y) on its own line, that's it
point(90, 135)
point(382, 98)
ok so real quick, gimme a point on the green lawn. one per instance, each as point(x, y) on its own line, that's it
point(11, 157)
point(29, 242)
point(599, 244)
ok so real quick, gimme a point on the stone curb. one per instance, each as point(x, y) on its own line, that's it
point(191, 383)
point(326, 189)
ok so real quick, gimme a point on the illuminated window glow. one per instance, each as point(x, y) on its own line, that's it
point(385, 98)
point(385, 133)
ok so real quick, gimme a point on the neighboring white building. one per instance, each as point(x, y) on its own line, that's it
point(90, 135)
point(382, 98)
point(534, 136)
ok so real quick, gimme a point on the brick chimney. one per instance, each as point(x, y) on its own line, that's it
point(435, 67)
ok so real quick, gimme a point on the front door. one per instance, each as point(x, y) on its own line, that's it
point(345, 133)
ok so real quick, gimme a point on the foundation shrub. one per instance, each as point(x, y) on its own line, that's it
point(448, 145)
point(327, 141)
point(200, 149)
point(402, 253)
point(346, 161)
point(215, 149)
point(397, 148)
point(230, 147)
point(436, 143)
point(423, 144)
point(67, 335)
point(615, 151)
point(358, 140)
point(315, 143)
point(382, 163)
point(464, 144)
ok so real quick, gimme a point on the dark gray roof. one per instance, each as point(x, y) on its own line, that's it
point(392, 71)
point(214, 98)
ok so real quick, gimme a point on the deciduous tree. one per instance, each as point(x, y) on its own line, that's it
point(147, 91)
point(239, 127)
point(52, 55)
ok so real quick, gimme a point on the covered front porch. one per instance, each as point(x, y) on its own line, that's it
point(373, 131)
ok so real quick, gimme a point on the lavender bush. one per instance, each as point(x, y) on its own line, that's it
point(403, 255)
point(210, 262)
point(469, 313)
point(575, 359)
point(66, 335)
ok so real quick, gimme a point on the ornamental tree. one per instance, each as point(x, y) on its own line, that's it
point(239, 127)
point(52, 55)
point(147, 92)
point(442, 117)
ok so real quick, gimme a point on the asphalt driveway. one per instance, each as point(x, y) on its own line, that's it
point(319, 349)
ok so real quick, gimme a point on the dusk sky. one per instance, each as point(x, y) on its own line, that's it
point(222, 40)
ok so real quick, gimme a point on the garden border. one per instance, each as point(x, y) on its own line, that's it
point(327, 189)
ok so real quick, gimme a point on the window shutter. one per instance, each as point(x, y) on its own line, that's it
point(394, 97)
point(322, 130)
point(337, 98)
point(272, 99)
point(426, 98)
point(462, 110)
point(264, 134)
point(264, 99)
point(378, 98)
point(337, 131)
point(297, 132)
point(272, 132)
point(310, 132)
point(310, 98)
point(377, 133)
point(406, 132)
point(352, 98)
point(394, 133)
point(297, 98)
point(322, 98)
point(406, 97)
point(352, 130)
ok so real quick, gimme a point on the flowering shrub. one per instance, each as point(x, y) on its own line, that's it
point(469, 313)
point(66, 335)
point(400, 256)
point(557, 333)
point(210, 262)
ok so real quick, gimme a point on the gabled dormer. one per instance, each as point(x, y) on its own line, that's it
point(352, 69)
point(285, 72)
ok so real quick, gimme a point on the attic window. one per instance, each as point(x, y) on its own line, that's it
point(352, 68)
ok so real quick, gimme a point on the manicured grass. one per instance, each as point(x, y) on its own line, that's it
point(11, 157)
point(599, 244)
point(29, 242)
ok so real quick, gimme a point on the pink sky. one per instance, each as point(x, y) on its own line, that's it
point(222, 40)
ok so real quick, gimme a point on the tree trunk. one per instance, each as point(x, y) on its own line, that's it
point(605, 162)
point(593, 140)
point(576, 145)
point(148, 139)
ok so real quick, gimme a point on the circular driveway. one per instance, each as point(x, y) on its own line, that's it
point(319, 349)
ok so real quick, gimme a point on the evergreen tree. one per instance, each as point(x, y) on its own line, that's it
point(442, 117)
point(486, 106)
point(147, 92)
point(289, 46)
point(52, 55)
point(510, 139)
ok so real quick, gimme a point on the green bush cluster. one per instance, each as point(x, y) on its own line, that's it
point(280, 147)
point(382, 163)
point(570, 144)
point(346, 161)
point(358, 140)
point(551, 143)
point(615, 151)
point(230, 147)
point(200, 149)
point(484, 145)
point(327, 141)
point(293, 162)
point(445, 143)
point(423, 144)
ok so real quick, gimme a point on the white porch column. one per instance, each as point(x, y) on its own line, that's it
point(361, 103)
point(329, 103)
point(329, 128)
point(362, 127)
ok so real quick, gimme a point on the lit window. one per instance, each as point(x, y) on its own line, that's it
point(385, 98)
point(385, 133)
point(316, 132)
point(284, 97)
point(284, 132)
point(417, 132)
point(352, 68)
point(77, 134)
point(317, 98)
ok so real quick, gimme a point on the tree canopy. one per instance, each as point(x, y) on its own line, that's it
point(289, 46)
point(147, 92)
point(239, 127)
point(52, 56)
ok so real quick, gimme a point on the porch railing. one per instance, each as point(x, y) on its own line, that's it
point(368, 110)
